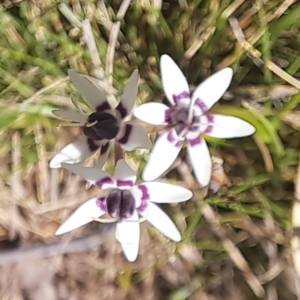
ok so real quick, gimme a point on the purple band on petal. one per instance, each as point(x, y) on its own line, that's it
point(104, 106)
point(104, 148)
point(201, 105)
point(125, 138)
point(143, 206)
point(144, 190)
point(124, 183)
point(182, 95)
point(145, 197)
point(103, 181)
point(101, 203)
point(171, 138)
point(122, 110)
point(168, 114)
point(210, 119)
point(196, 141)
point(92, 146)
point(179, 144)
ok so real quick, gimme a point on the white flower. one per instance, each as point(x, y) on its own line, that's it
point(124, 202)
point(187, 119)
point(102, 126)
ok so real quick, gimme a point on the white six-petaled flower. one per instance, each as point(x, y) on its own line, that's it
point(124, 202)
point(102, 126)
point(186, 119)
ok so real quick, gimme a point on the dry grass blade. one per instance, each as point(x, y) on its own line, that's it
point(254, 33)
point(67, 12)
point(295, 241)
point(91, 44)
point(234, 253)
point(113, 40)
point(274, 265)
point(265, 152)
point(206, 34)
point(191, 51)
point(48, 88)
point(42, 175)
point(256, 55)
point(18, 190)
point(77, 245)
point(232, 8)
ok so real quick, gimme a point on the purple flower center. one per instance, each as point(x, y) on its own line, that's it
point(120, 204)
point(101, 125)
point(179, 120)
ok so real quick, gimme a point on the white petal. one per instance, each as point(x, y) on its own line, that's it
point(227, 127)
point(102, 159)
point(163, 154)
point(161, 221)
point(161, 192)
point(174, 83)
point(124, 175)
point(200, 159)
point(91, 174)
point(74, 152)
point(71, 114)
point(128, 234)
point(133, 136)
point(81, 216)
point(103, 155)
point(153, 113)
point(212, 89)
point(93, 94)
point(129, 95)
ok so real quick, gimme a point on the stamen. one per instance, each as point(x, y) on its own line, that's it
point(114, 220)
point(191, 111)
point(186, 129)
point(183, 132)
point(103, 220)
point(70, 124)
point(91, 124)
point(205, 124)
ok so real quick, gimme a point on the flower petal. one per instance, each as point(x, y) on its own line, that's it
point(174, 83)
point(93, 94)
point(104, 151)
point(161, 192)
point(102, 159)
point(200, 159)
point(124, 175)
point(212, 89)
point(133, 136)
point(128, 234)
point(75, 152)
point(163, 154)
point(91, 174)
point(71, 115)
point(81, 216)
point(129, 95)
point(161, 221)
point(153, 113)
point(228, 127)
